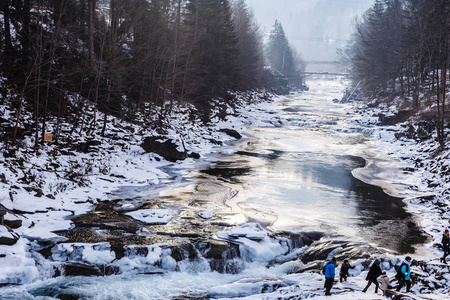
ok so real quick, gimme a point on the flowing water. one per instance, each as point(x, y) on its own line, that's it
point(298, 177)
point(295, 178)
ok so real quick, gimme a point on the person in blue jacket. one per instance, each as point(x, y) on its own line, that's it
point(329, 275)
point(404, 274)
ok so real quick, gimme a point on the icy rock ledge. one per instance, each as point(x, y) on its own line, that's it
point(254, 242)
point(151, 216)
point(204, 214)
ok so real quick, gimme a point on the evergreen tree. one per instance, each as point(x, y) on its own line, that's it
point(213, 59)
point(250, 57)
point(280, 55)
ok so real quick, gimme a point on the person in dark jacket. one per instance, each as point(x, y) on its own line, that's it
point(445, 245)
point(344, 270)
point(329, 275)
point(374, 272)
point(404, 274)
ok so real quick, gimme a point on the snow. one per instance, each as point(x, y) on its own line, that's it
point(205, 214)
point(44, 215)
point(4, 232)
point(254, 241)
point(151, 216)
point(18, 266)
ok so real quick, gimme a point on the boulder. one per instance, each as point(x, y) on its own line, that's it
point(2, 213)
point(399, 117)
point(88, 146)
point(194, 155)
point(7, 236)
point(231, 132)
point(167, 149)
point(12, 220)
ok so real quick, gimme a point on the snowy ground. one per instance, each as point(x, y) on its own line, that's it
point(44, 214)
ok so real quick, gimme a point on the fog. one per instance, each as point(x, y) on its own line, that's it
point(314, 28)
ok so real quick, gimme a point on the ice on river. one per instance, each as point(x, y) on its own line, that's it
point(151, 216)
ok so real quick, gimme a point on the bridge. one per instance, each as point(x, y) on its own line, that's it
point(306, 74)
point(322, 62)
point(324, 73)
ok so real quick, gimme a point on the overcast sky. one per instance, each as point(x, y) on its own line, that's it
point(313, 27)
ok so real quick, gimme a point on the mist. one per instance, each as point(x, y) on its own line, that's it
point(314, 28)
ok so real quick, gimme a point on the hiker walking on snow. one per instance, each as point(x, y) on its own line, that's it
point(374, 273)
point(404, 274)
point(344, 270)
point(445, 245)
point(329, 275)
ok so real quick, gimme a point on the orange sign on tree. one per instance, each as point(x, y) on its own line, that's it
point(48, 137)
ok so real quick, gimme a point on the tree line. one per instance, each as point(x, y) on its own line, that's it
point(129, 57)
point(401, 48)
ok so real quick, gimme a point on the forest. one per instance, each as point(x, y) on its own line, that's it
point(400, 48)
point(132, 59)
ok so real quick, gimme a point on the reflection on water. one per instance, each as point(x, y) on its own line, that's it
point(301, 173)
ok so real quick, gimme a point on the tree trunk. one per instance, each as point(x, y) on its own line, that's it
point(91, 14)
point(37, 81)
point(6, 18)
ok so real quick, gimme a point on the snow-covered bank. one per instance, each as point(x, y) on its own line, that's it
point(44, 189)
point(410, 168)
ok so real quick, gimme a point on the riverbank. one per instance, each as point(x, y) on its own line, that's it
point(409, 167)
point(43, 190)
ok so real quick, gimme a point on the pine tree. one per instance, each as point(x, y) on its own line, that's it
point(250, 57)
point(280, 55)
point(213, 59)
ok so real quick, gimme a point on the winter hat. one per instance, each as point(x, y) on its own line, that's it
point(408, 258)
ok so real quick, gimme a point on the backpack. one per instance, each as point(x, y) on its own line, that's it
point(323, 270)
point(399, 276)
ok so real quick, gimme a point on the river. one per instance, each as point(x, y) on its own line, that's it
point(293, 178)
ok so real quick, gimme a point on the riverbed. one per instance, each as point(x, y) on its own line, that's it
point(297, 175)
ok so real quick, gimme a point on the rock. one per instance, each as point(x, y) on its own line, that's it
point(231, 132)
point(68, 297)
point(12, 220)
point(399, 117)
point(205, 214)
point(7, 236)
point(3, 179)
point(2, 213)
point(167, 149)
point(194, 155)
point(76, 269)
point(87, 146)
point(151, 216)
point(216, 142)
